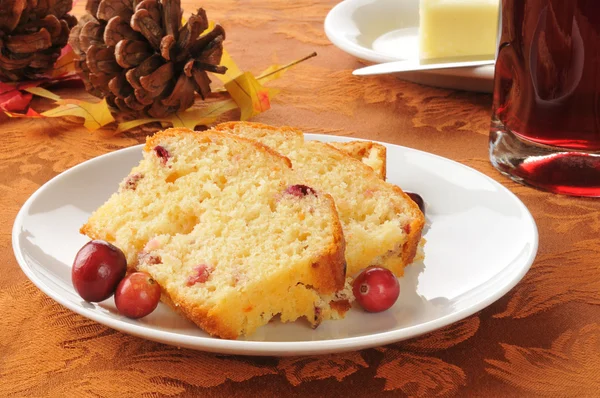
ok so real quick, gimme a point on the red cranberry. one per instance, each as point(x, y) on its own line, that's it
point(376, 289)
point(97, 270)
point(149, 259)
point(300, 190)
point(132, 181)
point(200, 275)
point(162, 153)
point(417, 199)
point(137, 295)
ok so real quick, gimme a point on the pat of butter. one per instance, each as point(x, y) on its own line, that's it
point(454, 28)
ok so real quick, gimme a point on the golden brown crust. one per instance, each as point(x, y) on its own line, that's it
point(330, 269)
point(409, 249)
point(201, 136)
point(200, 316)
point(223, 127)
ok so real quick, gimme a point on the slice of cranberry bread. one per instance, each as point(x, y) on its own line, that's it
point(382, 225)
point(227, 230)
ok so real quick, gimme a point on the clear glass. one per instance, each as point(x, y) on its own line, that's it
point(545, 129)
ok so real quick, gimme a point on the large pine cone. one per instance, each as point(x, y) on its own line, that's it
point(32, 34)
point(137, 55)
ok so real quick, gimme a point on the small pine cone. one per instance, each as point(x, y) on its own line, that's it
point(138, 56)
point(32, 34)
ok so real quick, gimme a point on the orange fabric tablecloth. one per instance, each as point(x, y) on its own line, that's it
point(541, 339)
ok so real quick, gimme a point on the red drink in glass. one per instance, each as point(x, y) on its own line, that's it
point(546, 123)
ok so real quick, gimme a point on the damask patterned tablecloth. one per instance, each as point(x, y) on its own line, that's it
point(541, 339)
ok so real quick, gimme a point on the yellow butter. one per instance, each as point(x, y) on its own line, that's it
point(451, 28)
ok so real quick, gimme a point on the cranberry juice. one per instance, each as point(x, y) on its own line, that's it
point(547, 83)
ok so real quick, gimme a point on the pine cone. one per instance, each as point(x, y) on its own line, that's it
point(137, 55)
point(32, 34)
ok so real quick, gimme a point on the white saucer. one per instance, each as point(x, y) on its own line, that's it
point(387, 30)
point(481, 240)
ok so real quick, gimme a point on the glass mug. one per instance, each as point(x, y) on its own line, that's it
point(545, 129)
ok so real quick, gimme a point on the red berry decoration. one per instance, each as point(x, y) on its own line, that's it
point(97, 270)
point(137, 295)
point(376, 289)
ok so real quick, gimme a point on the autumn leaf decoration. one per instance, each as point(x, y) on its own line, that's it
point(240, 90)
point(94, 114)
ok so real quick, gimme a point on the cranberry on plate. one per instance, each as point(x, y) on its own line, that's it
point(137, 295)
point(376, 289)
point(97, 270)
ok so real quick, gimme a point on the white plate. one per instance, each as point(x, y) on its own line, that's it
point(387, 30)
point(481, 241)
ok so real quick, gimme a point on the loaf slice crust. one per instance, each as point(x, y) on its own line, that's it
point(370, 153)
point(222, 224)
point(382, 225)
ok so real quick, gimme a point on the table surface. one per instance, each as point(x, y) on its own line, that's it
point(541, 339)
